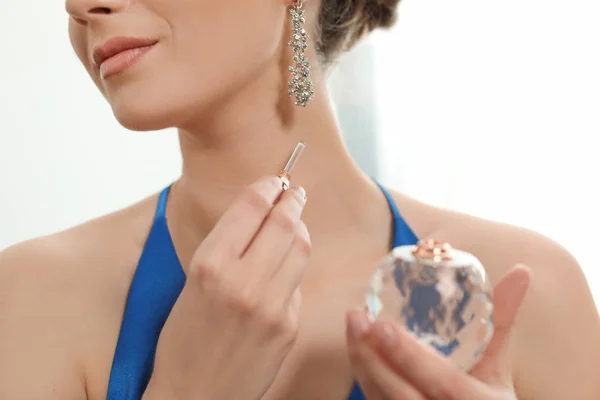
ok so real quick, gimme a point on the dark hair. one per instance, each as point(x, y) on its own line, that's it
point(343, 22)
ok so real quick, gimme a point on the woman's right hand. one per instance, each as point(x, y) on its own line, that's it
point(237, 317)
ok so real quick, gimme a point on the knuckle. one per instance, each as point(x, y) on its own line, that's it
point(256, 199)
point(303, 241)
point(272, 320)
point(204, 270)
point(276, 323)
point(245, 302)
point(283, 221)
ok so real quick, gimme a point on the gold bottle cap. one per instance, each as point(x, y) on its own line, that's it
point(436, 254)
point(434, 250)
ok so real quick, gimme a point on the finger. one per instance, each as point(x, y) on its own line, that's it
point(422, 366)
point(495, 366)
point(273, 241)
point(377, 380)
point(239, 224)
point(289, 275)
point(296, 302)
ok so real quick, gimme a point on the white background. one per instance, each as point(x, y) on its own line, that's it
point(497, 103)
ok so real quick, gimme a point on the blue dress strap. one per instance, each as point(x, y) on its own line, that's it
point(403, 234)
point(356, 393)
point(156, 285)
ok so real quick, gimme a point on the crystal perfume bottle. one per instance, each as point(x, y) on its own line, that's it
point(440, 294)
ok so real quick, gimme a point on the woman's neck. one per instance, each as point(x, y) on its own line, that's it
point(244, 143)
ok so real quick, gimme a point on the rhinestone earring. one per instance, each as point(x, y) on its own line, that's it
point(300, 86)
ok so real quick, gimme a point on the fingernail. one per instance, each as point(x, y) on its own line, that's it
point(276, 181)
point(299, 194)
point(526, 275)
point(358, 324)
point(387, 335)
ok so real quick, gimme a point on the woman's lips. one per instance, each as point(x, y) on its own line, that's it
point(121, 61)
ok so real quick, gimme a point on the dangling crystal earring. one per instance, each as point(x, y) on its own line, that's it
point(300, 86)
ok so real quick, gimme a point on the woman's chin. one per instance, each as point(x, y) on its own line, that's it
point(144, 119)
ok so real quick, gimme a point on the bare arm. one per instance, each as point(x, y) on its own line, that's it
point(557, 347)
point(38, 327)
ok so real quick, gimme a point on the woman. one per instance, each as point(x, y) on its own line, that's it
point(246, 313)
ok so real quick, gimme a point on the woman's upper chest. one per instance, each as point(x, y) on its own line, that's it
point(318, 366)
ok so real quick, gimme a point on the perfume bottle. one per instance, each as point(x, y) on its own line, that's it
point(440, 294)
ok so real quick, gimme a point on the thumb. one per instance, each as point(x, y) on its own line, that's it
point(495, 366)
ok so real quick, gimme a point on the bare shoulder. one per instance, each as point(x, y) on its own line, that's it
point(96, 248)
point(58, 298)
point(557, 338)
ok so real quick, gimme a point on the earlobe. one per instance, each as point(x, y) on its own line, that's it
point(295, 3)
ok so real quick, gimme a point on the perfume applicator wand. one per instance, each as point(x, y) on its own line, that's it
point(286, 174)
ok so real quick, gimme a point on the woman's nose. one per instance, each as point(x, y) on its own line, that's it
point(85, 11)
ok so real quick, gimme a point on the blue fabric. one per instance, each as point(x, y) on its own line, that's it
point(157, 283)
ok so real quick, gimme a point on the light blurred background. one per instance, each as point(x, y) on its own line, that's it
point(498, 103)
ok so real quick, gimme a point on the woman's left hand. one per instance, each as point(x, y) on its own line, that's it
point(390, 363)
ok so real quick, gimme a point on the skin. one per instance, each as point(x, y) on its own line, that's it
point(219, 74)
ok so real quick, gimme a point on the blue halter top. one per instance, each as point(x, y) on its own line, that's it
point(156, 285)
